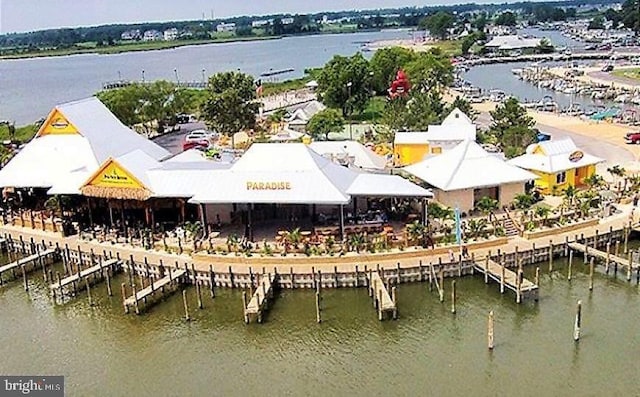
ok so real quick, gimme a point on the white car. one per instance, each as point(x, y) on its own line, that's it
point(200, 135)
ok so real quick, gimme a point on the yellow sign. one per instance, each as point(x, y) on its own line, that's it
point(57, 124)
point(576, 156)
point(268, 185)
point(111, 174)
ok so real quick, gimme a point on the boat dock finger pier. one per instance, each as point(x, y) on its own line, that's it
point(69, 285)
point(384, 302)
point(508, 279)
point(611, 259)
point(38, 256)
point(259, 302)
point(174, 278)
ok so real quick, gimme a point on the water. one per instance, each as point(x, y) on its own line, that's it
point(103, 352)
point(30, 88)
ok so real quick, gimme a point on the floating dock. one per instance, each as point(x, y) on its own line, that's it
point(175, 277)
point(507, 279)
point(260, 299)
point(382, 301)
point(77, 277)
point(32, 259)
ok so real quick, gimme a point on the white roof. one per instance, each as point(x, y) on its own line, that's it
point(363, 157)
point(292, 173)
point(188, 156)
point(512, 42)
point(381, 185)
point(71, 184)
point(286, 135)
point(457, 126)
point(467, 166)
point(304, 114)
point(49, 159)
point(557, 157)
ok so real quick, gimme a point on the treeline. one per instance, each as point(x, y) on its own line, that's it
point(296, 24)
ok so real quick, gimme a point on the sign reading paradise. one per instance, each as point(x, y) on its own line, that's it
point(112, 175)
point(275, 185)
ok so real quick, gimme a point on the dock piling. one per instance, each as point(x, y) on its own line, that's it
point(537, 279)
point(570, 265)
point(550, 256)
point(244, 307)
point(24, 278)
point(453, 297)
point(578, 322)
point(123, 289)
point(186, 305)
point(86, 282)
point(318, 318)
point(591, 274)
point(490, 331)
point(394, 299)
point(608, 258)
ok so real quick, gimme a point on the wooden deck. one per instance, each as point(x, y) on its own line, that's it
point(83, 273)
point(381, 297)
point(260, 299)
point(175, 276)
point(507, 279)
point(26, 260)
point(623, 262)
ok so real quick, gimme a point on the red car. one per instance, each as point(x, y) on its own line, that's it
point(202, 145)
point(633, 138)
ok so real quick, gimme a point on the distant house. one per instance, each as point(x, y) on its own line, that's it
point(287, 21)
point(299, 119)
point(152, 35)
point(511, 43)
point(133, 34)
point(171, 34)
point(498, 30)
point(226, 28)
point(260, 23)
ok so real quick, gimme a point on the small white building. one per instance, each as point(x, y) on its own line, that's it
point(301, 116)
point(511, 43)
point(287, 21)
point(226, 28)
point(465, 174)
point(351, 153)
point(133, 34)
point(171, 34)
point(152, 35)
point(260, 23)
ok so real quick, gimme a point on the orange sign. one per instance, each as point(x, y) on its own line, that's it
point(57, 124)
point(268, 185)
point(576, 156)
point(111, 174)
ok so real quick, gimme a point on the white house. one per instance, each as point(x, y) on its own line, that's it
point(511, 43)
point(301, 116)
point(171, 34)
point(226, 28)
point(152, 35)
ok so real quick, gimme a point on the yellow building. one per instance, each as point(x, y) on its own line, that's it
point(412, 147)
point(558, 164)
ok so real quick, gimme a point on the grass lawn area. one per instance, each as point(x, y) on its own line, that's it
point(633, 73)
point(373, 112)
point(449, 47)
point(23, 134)
point(284, 86)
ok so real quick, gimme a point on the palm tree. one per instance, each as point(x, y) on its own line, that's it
point(543, 212)
point(232, 243)
point(293, 238)
point(476, 227)
point(593, 181)
point(617, 171)
point(523, 201)
point(487, 205)
point(357, 241)
point(569, 195)
point(416, 232)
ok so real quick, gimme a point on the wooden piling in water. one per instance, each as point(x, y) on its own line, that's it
point(591, 274)
point(123, 289)
point(318, 317)
point(585, 257)
point(86, 282)
point(486, 268)
point(550, 255)
point(629, 267)
point(453, 296)
point(108, 277)
point(394, 299)
point(441, 285)
point(244, 307)
point(570, 265)
point(626, 239)
point(186, 305)
point(135, 298)
point(607, 260)
point(519, 286)
point(24, 278)
point(578, 322)
point(617, 250)
point(537, 279)
point(490, 331)
point(502, 276)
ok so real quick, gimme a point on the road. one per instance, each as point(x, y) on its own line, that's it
point(173, 140)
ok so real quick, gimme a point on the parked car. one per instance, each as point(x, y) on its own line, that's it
point(607, 68)
point(200, 135)
point(200, 145)
point(632, 138)
point(182, 118)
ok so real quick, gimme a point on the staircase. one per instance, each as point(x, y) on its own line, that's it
point(510, 227)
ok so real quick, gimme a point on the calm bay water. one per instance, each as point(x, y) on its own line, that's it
point(29, 88)
point(428, 351)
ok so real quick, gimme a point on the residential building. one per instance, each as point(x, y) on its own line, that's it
point(152, 35)
point(171, 34)
point(226, 28)
point(133, 34)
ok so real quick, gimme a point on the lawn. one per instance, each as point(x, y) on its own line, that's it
point(23, 134)
point(633, 73)
point(373, 112)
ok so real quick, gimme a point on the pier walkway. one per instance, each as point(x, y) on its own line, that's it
point(260, 299)
point(507, 279)
point(383, 302)
point(31, 259)
point(175, 276)
point(74, 278)
point(610, 258)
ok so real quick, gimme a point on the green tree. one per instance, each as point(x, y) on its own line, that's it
point(596, 23)
point(467, 43)
point(324, 122)
point(229, 106)
point(487, 205)
point(438, 24)
point(423, 109)
point(512, 128)
point(507, 18)
point(544, 46)
point(124, 103)
point(630, 13)
point(384, 65)
point(344, 83)
point(480, 22)
point(430, 70)
point(464, 106)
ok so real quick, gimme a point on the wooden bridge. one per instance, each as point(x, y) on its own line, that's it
point(174, 277)
point(382, 301)
point(507, 279)
point(32, 259)
point(74, 279)
point(260, 299)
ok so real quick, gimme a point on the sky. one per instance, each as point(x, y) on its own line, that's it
point(28, 15)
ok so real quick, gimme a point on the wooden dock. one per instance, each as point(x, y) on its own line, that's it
point(77, 277)
point(507, 279)
point(23, 262)
point(382, 301)
point(174, 277)
point(610, 259)
point(260, 299)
